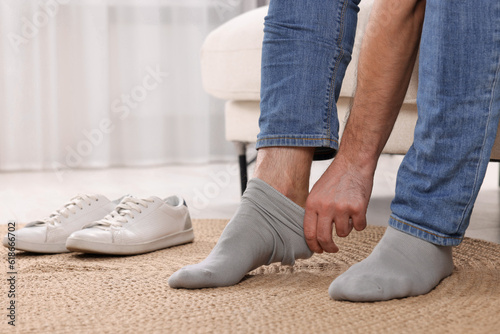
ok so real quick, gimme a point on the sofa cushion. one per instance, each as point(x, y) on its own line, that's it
point(242, 123)
point(231, 58)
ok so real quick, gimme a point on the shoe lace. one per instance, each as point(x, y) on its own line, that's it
point(126, 208)
point(70, 207)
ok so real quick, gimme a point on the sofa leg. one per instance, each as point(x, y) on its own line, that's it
point(243, 172)
point(242, 159)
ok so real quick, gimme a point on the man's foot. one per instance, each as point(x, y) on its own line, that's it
point(401, 265)
point(266, 228)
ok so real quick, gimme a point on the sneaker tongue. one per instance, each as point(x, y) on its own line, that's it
point(102, 198)
point(156, 199)
point(124, 197)
point(127, 195)
point(79, 199)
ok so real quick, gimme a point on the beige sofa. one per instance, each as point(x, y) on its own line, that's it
point(231, 59)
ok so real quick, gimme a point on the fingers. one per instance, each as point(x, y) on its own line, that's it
point(339, 197)
point(344, 204)
point(318, 227)
point(352, 216)
point(343, 225)
point(310, 225)
point(324, 234)
point(359, 221)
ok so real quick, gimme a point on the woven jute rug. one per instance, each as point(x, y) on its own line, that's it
point(78, 293)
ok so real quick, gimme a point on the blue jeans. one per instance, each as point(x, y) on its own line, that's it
point(307, 47)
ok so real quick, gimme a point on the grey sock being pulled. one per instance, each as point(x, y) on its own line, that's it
point(401, 265)
point(267, 228)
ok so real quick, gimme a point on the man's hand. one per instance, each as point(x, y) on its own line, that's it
point(340, 198)
point(386, 61)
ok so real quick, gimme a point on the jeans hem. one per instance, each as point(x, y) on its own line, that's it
point(297, 141)
point(424, 233)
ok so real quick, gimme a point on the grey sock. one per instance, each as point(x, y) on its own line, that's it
point(400, 265)
point(267, 228)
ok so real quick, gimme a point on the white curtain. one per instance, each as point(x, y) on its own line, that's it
point(97, 83)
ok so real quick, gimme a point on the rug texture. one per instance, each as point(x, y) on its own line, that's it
point(78, 293)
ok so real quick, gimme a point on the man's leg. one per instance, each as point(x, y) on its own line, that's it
point(439, 179)
point(307, 47)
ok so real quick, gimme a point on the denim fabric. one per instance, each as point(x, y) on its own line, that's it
point(307, 47)
point(459, 109)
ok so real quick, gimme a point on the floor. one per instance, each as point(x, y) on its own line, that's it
point(211, 191)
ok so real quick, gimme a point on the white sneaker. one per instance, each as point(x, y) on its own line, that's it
point(49, 235)
point(136, 226)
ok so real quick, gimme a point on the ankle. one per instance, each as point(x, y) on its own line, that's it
point(286, 169)
point(295, 192)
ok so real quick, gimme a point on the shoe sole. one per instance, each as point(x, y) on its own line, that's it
point(88, 246)
point(37, 247)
